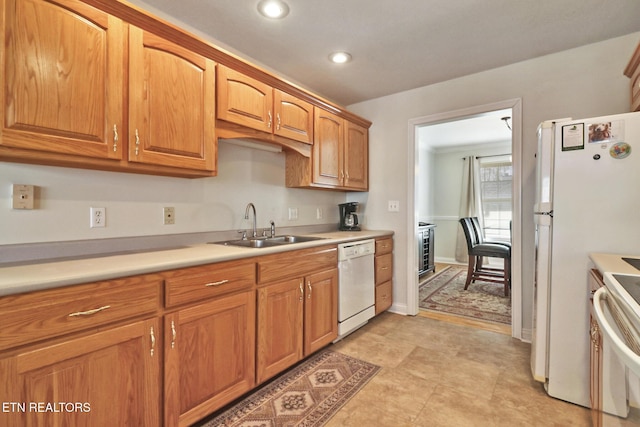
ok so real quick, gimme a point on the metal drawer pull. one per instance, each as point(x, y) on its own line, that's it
point(309, 286)
point(221, 282)
point(115, 138)
point(278, 116)
point(153, 341)
point(173, 334)
point(89, 312)
point(384, 268)
point(301, 291)
point(270, 119)
point(594, 336)
point(137, 142)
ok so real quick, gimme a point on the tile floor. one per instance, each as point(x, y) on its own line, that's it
point(436, 373)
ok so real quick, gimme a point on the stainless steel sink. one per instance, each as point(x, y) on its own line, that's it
point(266, 242)
point(294, 239)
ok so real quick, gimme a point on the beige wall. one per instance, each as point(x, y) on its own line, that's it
point(134, 202)
point(444, 208)
point(567, 84)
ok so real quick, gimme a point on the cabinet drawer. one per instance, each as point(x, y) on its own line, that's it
point(383, 297)
point(197, 283)
point(384, 268)
point(296, 263)
point(34, 316)
point(384, 246)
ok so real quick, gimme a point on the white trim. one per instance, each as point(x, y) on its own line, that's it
point(444, 218)
point(412, 214)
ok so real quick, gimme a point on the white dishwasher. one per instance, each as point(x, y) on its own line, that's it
point(356, 285)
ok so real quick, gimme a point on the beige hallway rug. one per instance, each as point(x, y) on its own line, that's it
point(444, 292)
point(307, 395)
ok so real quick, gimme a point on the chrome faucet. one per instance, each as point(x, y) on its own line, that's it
point(273, 228)
point(246, 216)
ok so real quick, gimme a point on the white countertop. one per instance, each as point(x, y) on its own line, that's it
point(613, 263)
point(38, 276)
point(610, 264)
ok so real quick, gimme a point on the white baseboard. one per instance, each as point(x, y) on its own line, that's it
point(448, 261)
point(398, 309)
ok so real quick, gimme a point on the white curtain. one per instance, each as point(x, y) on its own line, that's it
point(470, 203)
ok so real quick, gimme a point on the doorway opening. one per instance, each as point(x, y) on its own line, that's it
point(440, 142)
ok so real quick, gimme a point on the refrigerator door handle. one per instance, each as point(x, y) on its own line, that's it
point(550, 213)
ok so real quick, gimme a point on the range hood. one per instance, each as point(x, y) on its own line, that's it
point(240, 135)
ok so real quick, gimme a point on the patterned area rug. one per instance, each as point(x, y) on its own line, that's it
point(445, 292)
point(308, 395)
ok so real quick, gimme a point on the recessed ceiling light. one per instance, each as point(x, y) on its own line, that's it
point(340, 57)
point(275, 9)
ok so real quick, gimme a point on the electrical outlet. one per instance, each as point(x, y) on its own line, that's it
point(169, 215)
point(394, 206)
point(319, 213)
point(293, 214)
point(98, 217)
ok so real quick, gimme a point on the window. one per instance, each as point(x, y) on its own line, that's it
point(495, 192)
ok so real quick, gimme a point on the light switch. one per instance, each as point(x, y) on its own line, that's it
point(23, 196)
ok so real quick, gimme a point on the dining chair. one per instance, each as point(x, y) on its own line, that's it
point(476, 250)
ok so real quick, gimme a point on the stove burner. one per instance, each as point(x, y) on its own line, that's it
point(635, 262)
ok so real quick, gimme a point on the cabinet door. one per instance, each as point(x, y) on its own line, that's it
point(327, 148)
point(243, 100)
point(280, 333)
point(209, 357)
point(63, 80)
point(110, 378)
point(171, 104)
point(293, 117)
point(321, 310)
point(356, 157)
point(595, 354)
point(595, 370)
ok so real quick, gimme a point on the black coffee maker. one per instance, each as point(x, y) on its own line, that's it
point(348, 218)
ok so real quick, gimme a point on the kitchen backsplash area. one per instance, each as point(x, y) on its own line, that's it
point(134, 203)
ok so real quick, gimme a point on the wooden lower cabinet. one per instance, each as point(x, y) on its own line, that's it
point(296, 317)
point(595, 346)
point(108, 378)
point(280, 333)
point(209, 356)
point(384, 274)
point(122, 352)
point(320, 310)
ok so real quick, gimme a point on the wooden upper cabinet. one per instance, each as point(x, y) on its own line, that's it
point(339, 157)
point(63, 84)
point(249, 102)
point(243, 100)
point(293, 116)
point(327, 148)
point(633, 72)
point(171, 104)
point(356, 157)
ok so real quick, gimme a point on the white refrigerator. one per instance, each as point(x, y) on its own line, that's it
point(587, 200)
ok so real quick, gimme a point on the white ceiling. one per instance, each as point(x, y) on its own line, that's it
point(398, 45)
point(480, 129)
